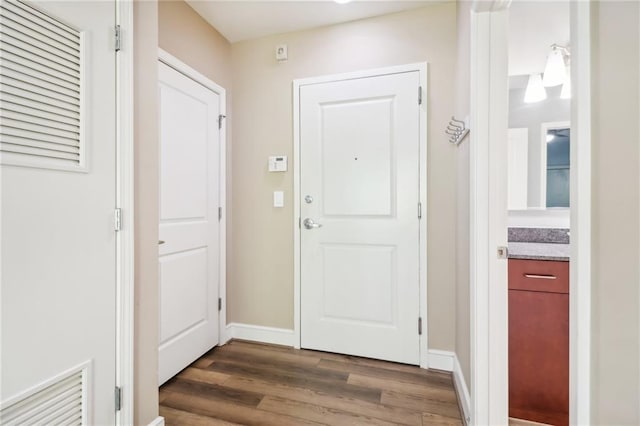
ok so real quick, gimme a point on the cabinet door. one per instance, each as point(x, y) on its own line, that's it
point(539, 356)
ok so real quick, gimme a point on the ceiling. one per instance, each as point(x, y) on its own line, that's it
point(245, 19)
point(533, 27)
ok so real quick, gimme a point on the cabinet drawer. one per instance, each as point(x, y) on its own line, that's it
point(539, 275)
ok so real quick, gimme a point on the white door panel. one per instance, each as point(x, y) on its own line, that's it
point(58, 258)
point(359, 162)
point(189, 188)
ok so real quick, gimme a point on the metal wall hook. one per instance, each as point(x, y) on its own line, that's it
point(457, 130)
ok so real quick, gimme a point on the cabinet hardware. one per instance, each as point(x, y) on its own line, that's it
point(540, 277)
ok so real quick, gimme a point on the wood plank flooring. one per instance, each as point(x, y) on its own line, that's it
point(257, 384)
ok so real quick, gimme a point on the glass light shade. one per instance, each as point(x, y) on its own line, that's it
point(535, 90)
point(555, 72)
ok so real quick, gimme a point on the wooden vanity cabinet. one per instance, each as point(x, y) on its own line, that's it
point(539, 341)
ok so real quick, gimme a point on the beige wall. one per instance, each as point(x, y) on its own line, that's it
point(261, 273)
point(616, 214)
point(146, 211)
point(462, 108)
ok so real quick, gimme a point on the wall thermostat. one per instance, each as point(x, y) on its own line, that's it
point(278, 164)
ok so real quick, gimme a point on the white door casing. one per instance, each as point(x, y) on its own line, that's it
point(359, 163)
point(58, 236)
point(189, 224)
point(489, 385)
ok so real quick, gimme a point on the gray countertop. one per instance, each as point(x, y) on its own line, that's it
point(539, 251)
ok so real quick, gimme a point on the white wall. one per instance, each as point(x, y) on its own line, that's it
point(616, 214)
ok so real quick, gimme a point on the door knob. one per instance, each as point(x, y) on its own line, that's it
point(310, 224)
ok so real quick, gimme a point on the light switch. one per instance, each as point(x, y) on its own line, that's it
point(278, 199)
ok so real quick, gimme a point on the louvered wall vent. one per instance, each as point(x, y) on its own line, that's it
point(40, 89)
point(60, 403)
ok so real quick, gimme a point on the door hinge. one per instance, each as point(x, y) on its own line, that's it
point(219, 304)
point(419, 210)
point(419, 326)
point(419, 95)
point(117, 219)
point(220, 118)
point(118, 398)
point(219, 214)
point(118, 38)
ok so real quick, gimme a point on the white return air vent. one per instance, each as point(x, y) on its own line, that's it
point(41, 89)
point(59, 401)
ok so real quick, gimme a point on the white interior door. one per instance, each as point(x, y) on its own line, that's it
point(359, 183)
point(58, 192)
point(189, 227)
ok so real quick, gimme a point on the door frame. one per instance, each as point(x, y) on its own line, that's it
point(125, 238)
point(421, 68)
point(175, 63)
point(489, 109)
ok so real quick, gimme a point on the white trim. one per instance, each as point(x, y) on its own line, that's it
point(488, 351)
point(175, 63)
point(441, 360)
point(462, 390)
point(488, 216)
point(125, 281)
point(158, 421)
point(296, 215)
point(448, 361)
point(544, 128)
point(580, 265)
point(421, 68)
point(259, 333)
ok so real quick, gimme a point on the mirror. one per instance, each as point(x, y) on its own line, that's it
point(539, 136)
point(539, 108)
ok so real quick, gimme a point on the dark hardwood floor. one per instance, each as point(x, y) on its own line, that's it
point(257, 384)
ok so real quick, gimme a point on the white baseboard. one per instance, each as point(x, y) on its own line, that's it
point(159, 421)
point(462, 390)
point(448, 361)
point(440, 360)
point(258, 333)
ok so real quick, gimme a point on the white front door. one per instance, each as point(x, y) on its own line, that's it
point(359, 184)
point(189, 227)
point(58, 185)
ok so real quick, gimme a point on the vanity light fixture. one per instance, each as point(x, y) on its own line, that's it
point(555, 72)
point(535, 90)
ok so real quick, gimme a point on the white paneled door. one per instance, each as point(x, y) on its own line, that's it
point(189, 228)
point(359, 189)
point(58, 197)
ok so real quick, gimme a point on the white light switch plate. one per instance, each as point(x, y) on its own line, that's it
point(278, 199)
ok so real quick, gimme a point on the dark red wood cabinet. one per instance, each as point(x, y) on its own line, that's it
point(539, 341)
